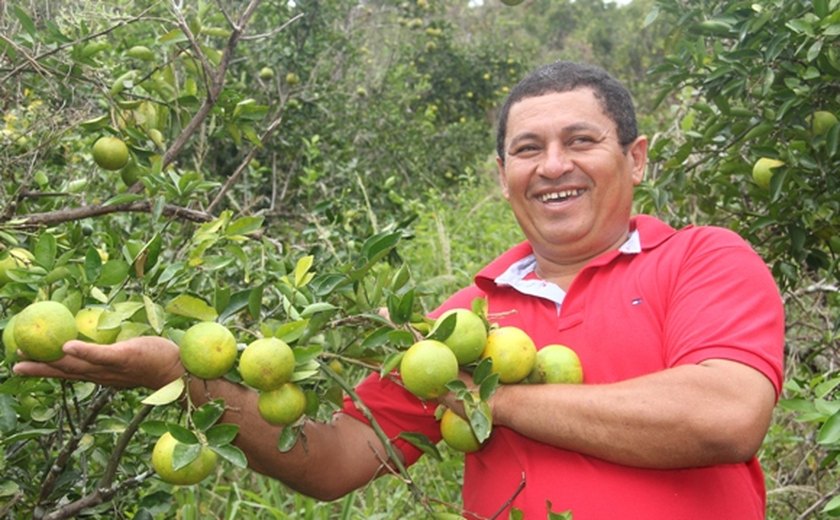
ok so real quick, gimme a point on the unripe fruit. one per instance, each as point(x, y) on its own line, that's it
point(17, 258)
point(87, 323)
point(163, 456)
point(266, 73)
point(426, 367)
point(763, 170)
point(457, 432)
point(42, 328)
point(513, 353)
point(110, 153)
point(283, 405)
point(822, 121)
point(208, 350)
point(267, 363)
point(468, 337)
point(556, 364)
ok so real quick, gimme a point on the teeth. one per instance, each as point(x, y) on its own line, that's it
point(559, 195)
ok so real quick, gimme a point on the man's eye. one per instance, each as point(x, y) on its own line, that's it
point(581, 139)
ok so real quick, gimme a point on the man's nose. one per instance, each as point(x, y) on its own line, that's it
point(556, 162)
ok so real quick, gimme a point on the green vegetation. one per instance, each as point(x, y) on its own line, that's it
point(294, 166)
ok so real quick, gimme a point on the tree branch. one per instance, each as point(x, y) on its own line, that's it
point(52, 218)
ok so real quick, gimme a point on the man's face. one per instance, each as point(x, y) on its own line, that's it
point(567, 178)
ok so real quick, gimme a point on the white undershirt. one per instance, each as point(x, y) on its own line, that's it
point(515, 275)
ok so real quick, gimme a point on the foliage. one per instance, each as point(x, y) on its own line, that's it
point(744, 81)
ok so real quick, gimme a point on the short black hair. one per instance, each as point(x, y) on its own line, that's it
point(564, 76)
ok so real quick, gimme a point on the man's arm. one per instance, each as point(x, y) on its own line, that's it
point(715, 412)
point(330, 459)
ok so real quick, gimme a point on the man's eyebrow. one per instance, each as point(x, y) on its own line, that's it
point(582, 126)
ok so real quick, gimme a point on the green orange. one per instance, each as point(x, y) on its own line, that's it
point(426, 367)
point(283, 405)
point(42, 328)
point(267, 363)
point(163, 457)
point(208, 350)
point(457, 432)
point(468, 337)
point(512, 351)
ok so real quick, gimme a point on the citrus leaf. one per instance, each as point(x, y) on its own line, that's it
point(207, 414)
point(191, 307)
point(391, 362)
point(288, 438)
point(154, 314)
point(181, 434)
point(830, 431)
point(183, 454)
point(317, 307)
point(444, 329)
point(232, 454)
point(422, 443)
point(291, 331)
point(114, 272)
point(166, 394)
point(302, 269)
point(244, 225)
point(44, 251)
point(222, 434)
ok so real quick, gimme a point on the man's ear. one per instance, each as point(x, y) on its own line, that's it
point(500, 167)
point(638, 154)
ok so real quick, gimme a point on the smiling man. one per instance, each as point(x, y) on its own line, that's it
point(679, 332)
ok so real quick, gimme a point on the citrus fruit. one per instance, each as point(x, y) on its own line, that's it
point(763, 170)
point(163, 457)
point(41, 329)
point(266, 73)
point(110, 153)
point(457, 432)
point(292, 78)
point(208, 350)
point(267, 363)
point(513, 353)
point(556, 364)
point(822, 121)
point(17, 258)
point(283, 405)
point(87, 323)
point(468, 337)
point(426, 367)
point(9, 343)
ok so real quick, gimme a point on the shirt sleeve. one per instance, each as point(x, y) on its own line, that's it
point(726, 305)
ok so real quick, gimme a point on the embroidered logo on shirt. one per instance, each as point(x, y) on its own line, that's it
point(636, 301)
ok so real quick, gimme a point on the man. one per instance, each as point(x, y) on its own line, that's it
point(680, 335)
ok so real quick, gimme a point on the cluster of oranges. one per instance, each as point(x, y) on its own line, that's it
point(429, 365)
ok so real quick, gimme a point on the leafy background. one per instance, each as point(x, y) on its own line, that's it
point(358, 174)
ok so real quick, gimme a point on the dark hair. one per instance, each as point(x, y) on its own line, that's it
point(564, 76)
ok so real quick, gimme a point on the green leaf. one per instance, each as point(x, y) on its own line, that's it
point(444, 329)
point(207, 414)
point(191, 307)
point(255, 302)
point(832, 508)
point(232, 454)
point(302, 275)
point(93, 263)
point(222, 434)
point(166, 394)
point(183, 454)
point(481, 419)
point(25, 21)
point(114, 272)
point(123, 198)
point(317, 307)
point(181, 434)
point(422, 443)
point(45, 250)
point(154, 314)
point(288, 438)
point(390, 363)
point(244, 226)
point(291, 331)
point(830, 431)
point(565, 515)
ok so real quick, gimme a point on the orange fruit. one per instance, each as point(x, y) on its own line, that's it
point(208, 350)
point(468, 337)
point(87, 322)
point(283, 405)
point(163, 456)
point(17, 258)
point(267, 363)
point(42, 328)
point(556, 364)
point(513, 353)
point(457, 432)
point(426, 367)
point(110, 153)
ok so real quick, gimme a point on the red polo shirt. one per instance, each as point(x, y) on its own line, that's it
point(688, 296)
